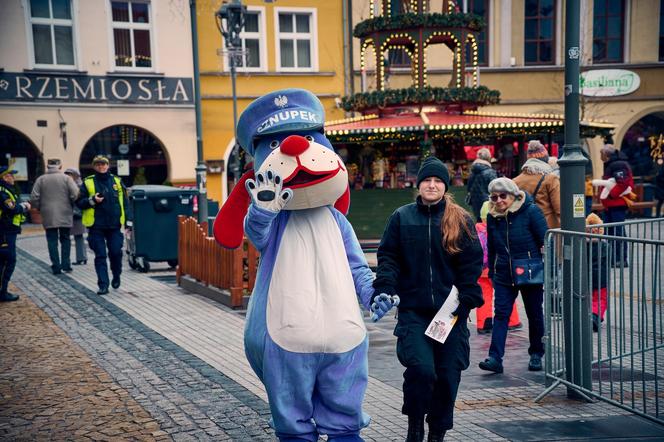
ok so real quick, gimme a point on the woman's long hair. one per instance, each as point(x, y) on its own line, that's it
point(453, 226)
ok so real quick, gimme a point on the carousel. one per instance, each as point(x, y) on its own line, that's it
point(392, 130)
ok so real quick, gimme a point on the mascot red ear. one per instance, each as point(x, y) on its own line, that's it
point(228, 229)
point(343, 203)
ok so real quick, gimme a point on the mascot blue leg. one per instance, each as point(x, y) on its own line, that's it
point(316, 393)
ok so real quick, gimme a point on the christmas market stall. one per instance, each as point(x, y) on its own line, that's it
point(393, 129)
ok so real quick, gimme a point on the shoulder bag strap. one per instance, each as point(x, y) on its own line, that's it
point(539, 184)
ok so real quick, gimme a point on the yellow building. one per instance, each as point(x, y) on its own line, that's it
point(289, 43)
point(521, 54)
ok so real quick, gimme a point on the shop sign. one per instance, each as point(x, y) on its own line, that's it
point(44, 87)
point(609, 82)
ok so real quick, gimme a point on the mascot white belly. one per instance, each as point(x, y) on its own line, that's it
point(312, 287)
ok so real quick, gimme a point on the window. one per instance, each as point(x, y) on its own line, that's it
point(398, 58)
point(296, 40)
point(52, 30)
point(661, 30)
point(539, 32)
point(253, 39)
point(608, 30)
point(481, 8)
point(131, 35)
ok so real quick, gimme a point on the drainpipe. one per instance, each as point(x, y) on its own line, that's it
point(201, 169)
point(347, 33)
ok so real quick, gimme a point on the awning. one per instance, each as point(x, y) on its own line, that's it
point(470, 124)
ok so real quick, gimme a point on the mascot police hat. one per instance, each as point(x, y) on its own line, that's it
point(286, 110)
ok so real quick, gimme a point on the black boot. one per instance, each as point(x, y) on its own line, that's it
point(436, 435)
point(415, 429)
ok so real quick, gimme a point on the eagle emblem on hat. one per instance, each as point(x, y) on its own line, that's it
point(281, 101)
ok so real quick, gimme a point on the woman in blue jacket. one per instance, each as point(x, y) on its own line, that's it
point(516, 228)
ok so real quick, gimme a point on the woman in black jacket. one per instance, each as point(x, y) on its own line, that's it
point(515, 228)
point(429, 246)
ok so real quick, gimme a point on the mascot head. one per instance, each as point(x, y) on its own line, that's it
point(283, 132)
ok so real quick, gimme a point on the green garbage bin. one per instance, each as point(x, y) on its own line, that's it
point(154, 235)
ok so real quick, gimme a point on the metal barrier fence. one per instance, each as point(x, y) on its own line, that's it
point(607, 346)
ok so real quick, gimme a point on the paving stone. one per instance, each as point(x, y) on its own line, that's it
point(176, 361)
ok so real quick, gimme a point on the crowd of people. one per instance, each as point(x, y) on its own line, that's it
point(68, 206)
point(491, 257)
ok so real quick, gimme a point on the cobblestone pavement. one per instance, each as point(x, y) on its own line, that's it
point(180, 359)
point(51, 389)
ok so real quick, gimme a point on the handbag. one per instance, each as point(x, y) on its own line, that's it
point(528, 271)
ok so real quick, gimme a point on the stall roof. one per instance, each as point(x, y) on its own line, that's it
point(469, 123)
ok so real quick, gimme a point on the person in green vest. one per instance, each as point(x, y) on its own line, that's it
point(103, 200)
point(12, 215)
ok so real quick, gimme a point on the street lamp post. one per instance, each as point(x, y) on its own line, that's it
point(201, 168)
point(572, 172)
point(230, 21)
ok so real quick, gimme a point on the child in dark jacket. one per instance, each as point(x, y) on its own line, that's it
point(599, 261)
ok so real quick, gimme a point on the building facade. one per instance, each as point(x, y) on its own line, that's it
point(85, 77)
point(286, 43)
point(520, 53)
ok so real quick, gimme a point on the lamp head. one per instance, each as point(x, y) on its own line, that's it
point(230, 17)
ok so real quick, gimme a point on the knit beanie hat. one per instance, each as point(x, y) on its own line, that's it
point(537, 150)
point(432, 166)
point(505, 185)
point(592, 220)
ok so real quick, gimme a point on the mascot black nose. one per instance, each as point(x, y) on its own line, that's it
point(265, 195)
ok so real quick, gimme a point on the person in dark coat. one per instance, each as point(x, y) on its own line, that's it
point(616, 168)
point(428, 247)
point(12, 215)
point(598, 252)
point(659, 191)
point(481, 174)
point(516, 227)
point(103, 200)
point(78, 229)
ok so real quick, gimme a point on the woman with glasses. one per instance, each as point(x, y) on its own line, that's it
point(516, 228)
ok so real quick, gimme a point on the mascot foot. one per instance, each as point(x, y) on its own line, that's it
point(345, 438)
point(310, 437)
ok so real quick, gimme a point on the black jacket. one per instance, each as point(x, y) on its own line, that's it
point(659, 184)
point(598, 254)
point(10, 208)
point(516, 234)
point(481, 175)
point(107, 213)
point(413, 264)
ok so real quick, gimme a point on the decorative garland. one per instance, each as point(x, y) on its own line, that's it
point(412, 20)
point(480, 96)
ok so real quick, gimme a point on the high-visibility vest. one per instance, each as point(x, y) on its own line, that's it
point(19, 218)
point(89, 214)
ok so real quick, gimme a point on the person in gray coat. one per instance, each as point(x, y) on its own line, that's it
point(78, 229)
point(54, 194)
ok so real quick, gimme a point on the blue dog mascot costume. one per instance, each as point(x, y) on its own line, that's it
point(304, 335)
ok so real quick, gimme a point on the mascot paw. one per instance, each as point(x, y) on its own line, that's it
point(266, 191)
point(382, 304)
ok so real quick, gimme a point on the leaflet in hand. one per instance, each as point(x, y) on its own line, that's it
point(441, 324)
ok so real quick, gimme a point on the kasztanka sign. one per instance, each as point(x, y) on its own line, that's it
point(62, 88)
